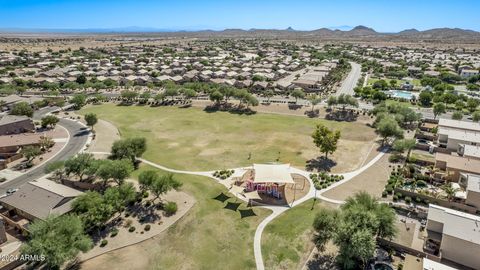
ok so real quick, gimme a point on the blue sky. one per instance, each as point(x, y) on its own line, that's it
point(382, 15)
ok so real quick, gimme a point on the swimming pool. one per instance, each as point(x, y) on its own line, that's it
point(401, 94)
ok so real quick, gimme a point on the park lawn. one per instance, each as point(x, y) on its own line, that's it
point(207, 237)
point(192, 139)
point(287, 240)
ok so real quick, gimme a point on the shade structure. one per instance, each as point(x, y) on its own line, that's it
point(236, 189)
point(272, 173)
point(253, 195)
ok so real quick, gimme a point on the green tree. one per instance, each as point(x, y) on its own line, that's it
point(58, 238)
point(128, 95)
point(115, 170)
point(30, 152)
point(354, 228)
point(163, 184)
point(120, 196)
point(457, 115)
point(325, 139)
point(476, 116)
point(92, 210)
point(438, 109)
point(146, 178)
point(314, 100)
point(49, 121)
point(81, 79)
point(91, 119)
point(269, 94)
point(216, 96)
point(298, 93)
point(388, 127)
point(472, 104)
point(22, 108)
point(79, 165)
point(129, 148)
point(78, 101)
point(403, 145)
point(324, 226)
point(346, 100)
point(332, 101)
point(425, 98)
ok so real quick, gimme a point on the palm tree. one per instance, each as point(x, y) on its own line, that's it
point(449, 191)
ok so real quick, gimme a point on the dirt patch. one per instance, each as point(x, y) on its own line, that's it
point(372, 180)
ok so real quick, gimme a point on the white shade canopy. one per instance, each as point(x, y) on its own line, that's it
point(272, 173)
point(236, 189)
point(253, 195)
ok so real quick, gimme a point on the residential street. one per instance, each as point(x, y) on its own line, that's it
point(78, 138)
point(351, 81)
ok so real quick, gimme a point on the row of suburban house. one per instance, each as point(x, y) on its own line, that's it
point(454, 235)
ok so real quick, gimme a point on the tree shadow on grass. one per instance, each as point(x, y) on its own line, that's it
point(320, 164)
point(322, 262)
point(244, 213)
point(232, 206)
point(227, 107)
point(221, 197)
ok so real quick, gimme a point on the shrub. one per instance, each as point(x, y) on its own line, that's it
point(421, 184)
point(131, 229)
point(399, 195)
point(170, 208)
point(384, 194)
point(418, 200)
point(395, 158)
point(103, 243)
point(408, 200)
point(148, 203)
point(147, 227)
point(395, 198)
point(114, 233)
point(389, 190)
point(3, 179)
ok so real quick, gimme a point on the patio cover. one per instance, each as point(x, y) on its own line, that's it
point(272, 173)
point(253, 195)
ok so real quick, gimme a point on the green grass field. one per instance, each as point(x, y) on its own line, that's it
point(286, 241)
point(192, 139)
point(203, 239)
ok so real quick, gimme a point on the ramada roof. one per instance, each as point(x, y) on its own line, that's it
point(272, 173)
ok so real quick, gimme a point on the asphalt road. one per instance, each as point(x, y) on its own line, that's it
point(78, 138)
point(351, 81)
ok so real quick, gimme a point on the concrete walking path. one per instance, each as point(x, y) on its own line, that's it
point(276, 210)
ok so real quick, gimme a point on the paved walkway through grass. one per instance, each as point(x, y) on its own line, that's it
point(276, 210)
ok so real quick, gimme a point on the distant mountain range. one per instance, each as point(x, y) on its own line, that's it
point(339, 32)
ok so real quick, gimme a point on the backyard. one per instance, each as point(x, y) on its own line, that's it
point(193, 139)
point(201, 239)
